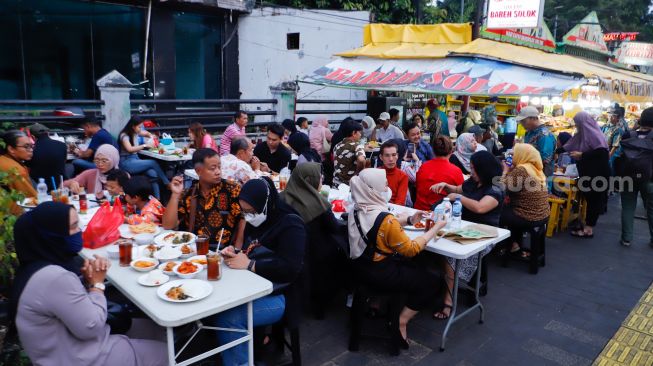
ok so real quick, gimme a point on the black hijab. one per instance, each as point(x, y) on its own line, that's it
point(258, 192)
point(302, 146)
point(40, 241)
point(486, 166)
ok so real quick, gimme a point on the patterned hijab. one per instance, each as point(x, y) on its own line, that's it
point(465, 148)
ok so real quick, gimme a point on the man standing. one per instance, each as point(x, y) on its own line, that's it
point(437, 122)
point(421, 148)
point(349, 156)
point(386, 131)
point(234, 130)
point(272, 151)
point(49, 159)
point(394, 117)
point(538, 135)
point(99, 136)
point(397, 179)
point(613, 131)
point(240, 165)
point(209, 205)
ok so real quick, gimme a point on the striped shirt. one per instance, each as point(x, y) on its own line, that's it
point(229, 134)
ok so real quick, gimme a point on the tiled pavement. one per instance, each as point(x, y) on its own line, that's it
point(564, 316)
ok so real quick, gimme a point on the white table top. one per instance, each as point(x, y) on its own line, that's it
point(448, 247)
point(236, 287)
point(166, 157)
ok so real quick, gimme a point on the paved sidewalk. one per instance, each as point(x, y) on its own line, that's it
point(563, 316)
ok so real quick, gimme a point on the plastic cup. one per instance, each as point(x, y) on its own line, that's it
point(212, 266)
point(125, 252)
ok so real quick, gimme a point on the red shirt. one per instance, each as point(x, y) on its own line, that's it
point(398, 183)
point(432, 172)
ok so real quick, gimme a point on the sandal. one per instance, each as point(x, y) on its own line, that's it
point(582, 234)
point(440, 315)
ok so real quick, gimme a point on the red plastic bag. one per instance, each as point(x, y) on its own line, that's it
point(103, 227)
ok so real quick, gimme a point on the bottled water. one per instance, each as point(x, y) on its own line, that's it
point(457, 213)
point(42, 190)
point(446, 204)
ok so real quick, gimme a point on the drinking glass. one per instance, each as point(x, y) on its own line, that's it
point(212, 266)
point(125, 250)
point(202, 244)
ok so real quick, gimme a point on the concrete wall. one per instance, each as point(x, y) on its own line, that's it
point(264, 59)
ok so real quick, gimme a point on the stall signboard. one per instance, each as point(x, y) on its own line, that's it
point(625, 91)
point(454, 75)
point(588, 35)
point(635, 53)
point(503, 14)
point(539, 38)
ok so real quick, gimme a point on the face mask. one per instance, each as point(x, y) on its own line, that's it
point(74, 243)
point(387, 195)
point(255, 219)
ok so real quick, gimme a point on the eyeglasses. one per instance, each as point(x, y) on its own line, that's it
point(27, 147)
point(101, 161)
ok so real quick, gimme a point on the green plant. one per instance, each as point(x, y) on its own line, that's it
point(8, 199)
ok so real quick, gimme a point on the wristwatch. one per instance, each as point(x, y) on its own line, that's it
point(251, 264)
point(99, 286)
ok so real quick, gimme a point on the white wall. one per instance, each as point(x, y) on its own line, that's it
point(264, 59)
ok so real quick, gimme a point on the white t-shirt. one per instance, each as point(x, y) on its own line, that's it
point(393, 132)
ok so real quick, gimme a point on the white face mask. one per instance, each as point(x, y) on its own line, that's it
point(387, 195)
point(255, 219)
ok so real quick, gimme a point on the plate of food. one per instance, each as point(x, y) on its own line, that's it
point(184, 290)
point(144, 264)
point(187, 269)
point(418, 226)
point(198, 259)
point(175, 238)
point(167, 253)
point(130, 231)
point(168, 267)
point(154, 278)
point(148, 251)
point(187, 250)
point(29, 202)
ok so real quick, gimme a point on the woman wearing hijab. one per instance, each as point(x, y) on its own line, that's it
point(368, 126)
point(482, 199)
point(452, 122)
point(376, 237)
point(590, 150)
point(61, 320)
point(303, 194)
point(300, 143)
point(275, 239)
point(93, 180)
point(319, 133)
point(465, 148)
point(526, 187)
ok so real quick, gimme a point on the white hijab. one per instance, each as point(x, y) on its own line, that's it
point(367, 132)
point(368, 193)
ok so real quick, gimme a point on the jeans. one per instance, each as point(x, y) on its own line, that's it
point(628, 205)
point(267, 310)
point(132, 164)
point(82, 164)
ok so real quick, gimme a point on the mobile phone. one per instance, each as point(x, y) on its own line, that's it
point(411, 148)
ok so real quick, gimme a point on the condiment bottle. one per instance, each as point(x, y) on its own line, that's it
point(83, 203)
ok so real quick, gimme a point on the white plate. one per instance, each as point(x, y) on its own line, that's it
point(146, 269)
point(203, 257)
point(143, 280)
point(169, 273)
point(26, 203)
point(127, 234)
point(197, 289)
point(168, 254)
point(198, 269)
point(413, 228)
point(193, 252)
point(161, 241)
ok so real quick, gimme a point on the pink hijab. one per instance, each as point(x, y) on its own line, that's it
point(588, 135)
point(106, 151)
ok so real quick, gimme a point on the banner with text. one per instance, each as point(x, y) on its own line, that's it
point(587, 34)
point(514, 13)
point(635, 53)
point(454, 75)
point(539, 37)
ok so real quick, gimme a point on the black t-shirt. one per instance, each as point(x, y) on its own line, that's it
point(275, 161)
point(49, 160)
point(471, 190)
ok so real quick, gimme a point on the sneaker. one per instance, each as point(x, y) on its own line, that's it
point(627, 243)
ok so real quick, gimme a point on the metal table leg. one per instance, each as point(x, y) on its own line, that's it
point(454, 299)
point(171, 346)
point(250, 331)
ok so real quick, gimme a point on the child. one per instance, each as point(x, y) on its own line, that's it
point(116, 179)
point(143, 206)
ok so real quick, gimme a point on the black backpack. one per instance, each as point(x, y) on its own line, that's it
point(636, 160)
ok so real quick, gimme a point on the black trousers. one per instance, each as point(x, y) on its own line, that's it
point(423, 288)
point(517, 224)
point(596, 203)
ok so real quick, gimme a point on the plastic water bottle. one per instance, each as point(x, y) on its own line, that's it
point(42, 190)
point(457, 213)
point(438, 213)
point(446, 203)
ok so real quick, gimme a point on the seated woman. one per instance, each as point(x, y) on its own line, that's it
point(199, 138)
point(465, 148)
point(525, 184)
point(61, 320)
point(437, 170)
point(301, 145)
point(482, 199)
point(142, 207)
point(131, 163)
point(17, 150)
point(374, 261)
point(279, 231)
point(303, 194)
point(289, 127)
point(318, 134)
point(95, 180)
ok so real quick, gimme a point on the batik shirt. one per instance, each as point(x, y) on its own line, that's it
point(545, 142)
point(220, 209)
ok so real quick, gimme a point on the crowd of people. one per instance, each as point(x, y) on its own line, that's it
point(293, 238)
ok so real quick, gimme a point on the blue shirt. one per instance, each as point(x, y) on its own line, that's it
point(100, 138)
point(545, 142)
point(423, 150)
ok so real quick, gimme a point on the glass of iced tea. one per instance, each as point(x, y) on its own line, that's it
point(283, 180)
point(202, 244)
point(212, 266)
point(125, 251)
point(55, 193)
